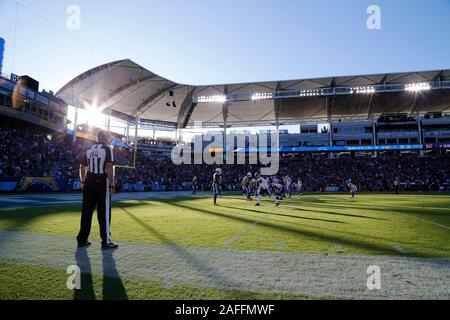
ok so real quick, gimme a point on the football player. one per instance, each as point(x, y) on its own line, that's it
point(287, 185)
point(246, 185)
point(299, 186)
point(396, 185)
point(352, 189)
point(216, 184)
point(263, 189)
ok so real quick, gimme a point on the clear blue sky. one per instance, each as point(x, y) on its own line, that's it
point(211, 41)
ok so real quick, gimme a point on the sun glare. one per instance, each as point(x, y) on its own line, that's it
point(93, 114)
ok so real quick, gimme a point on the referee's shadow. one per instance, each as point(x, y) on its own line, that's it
point(113, 288)
point(86, 292)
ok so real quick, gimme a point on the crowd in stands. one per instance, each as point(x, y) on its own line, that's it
point(35, 154)
point(372, 174)
point(28, 153)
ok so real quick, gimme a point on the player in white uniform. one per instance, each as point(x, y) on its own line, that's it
point(287, 185)
point(263, 188)
point(253, 186)
point(352, 189)
point(299, 186)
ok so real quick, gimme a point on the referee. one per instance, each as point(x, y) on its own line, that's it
point(97, 181)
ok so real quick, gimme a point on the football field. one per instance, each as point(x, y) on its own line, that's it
point(177, 246)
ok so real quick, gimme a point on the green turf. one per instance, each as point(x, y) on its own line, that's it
point(22, 282)
point(372, 224)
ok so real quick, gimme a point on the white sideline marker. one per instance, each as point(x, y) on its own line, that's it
point(419, 219)
point(338, 247)
point(399, 249)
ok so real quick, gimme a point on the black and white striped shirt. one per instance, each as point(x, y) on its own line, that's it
point(96, 158)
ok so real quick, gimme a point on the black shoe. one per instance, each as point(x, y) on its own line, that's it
point(257, 204)
point(109, 246)
point(84, 244)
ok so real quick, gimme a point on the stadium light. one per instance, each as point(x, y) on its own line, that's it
point(418, 87)
point(215, 98)
point(362, 90)
point(262, 96)
point(311, 93)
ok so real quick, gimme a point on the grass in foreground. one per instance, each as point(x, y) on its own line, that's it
point(32, 283)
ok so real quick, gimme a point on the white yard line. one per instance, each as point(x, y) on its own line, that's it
point(419, 219)
point(240, 234)
point(399, 249)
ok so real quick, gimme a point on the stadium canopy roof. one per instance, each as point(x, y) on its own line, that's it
point(129, 90)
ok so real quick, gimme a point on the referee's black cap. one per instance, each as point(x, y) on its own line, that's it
point(103, 137)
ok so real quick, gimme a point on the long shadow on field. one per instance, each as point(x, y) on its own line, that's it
point(282, 215)
point(324, 212)
point(394, 209)
point(113, 288)
point(413, 210)
point(313, 234)
point(20, 218)
point(339, 214)
point(87, 285)
point(206, 270)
